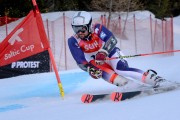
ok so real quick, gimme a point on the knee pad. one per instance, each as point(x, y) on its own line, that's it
point(122, 65)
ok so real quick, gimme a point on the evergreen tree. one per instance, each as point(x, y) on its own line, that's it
point(158, 7)
point(20, 8)
point(175, 7)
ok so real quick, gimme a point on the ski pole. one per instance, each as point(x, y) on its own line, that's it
point(147, 54)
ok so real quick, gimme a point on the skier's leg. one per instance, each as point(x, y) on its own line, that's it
point(122, 68)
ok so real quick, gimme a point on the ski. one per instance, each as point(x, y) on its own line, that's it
point(118, 96)
point(115, 96)
point(121, 96)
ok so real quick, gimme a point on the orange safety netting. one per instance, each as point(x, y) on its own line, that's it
point(135, 36)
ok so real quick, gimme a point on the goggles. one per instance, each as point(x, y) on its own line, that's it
point(81, 28)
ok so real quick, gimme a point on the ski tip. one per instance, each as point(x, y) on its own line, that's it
point(116, 96)
point(86, 98)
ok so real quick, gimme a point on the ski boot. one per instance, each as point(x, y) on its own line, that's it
point(151, 77)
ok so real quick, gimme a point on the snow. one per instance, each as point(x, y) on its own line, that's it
point(36, 96)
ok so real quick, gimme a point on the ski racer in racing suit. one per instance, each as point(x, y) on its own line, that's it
point(90, 48)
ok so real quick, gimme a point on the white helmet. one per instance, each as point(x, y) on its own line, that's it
point(80, 19)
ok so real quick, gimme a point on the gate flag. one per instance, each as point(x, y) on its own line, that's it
point(25, 40)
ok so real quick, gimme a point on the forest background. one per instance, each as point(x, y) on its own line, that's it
point(161, 8)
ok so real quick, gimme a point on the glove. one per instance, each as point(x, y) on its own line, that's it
point(100, 57)
point(94, 72)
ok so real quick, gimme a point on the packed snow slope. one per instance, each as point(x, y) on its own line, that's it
point(36, 97)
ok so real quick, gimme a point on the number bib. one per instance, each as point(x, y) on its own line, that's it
point(92, 45)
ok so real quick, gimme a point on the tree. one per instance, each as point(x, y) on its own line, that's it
point(18, 8)
point(117, 5)
point(159, 7)
point(175, 7)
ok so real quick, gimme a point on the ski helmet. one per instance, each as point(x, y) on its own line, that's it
point(80, 21)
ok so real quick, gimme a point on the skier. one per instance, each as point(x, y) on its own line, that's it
point(90, 48)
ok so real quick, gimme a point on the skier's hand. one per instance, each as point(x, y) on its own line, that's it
point(94, 72)
point(100, 57)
